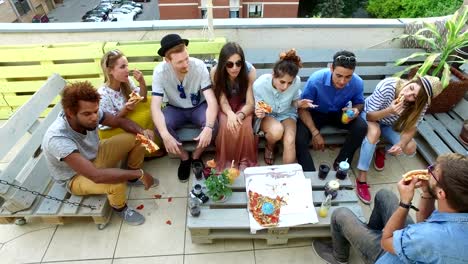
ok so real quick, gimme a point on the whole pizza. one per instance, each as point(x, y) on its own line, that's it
point(265, 210)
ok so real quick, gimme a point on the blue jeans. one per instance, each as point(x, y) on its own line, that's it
point(368, 149)
point(347, 230)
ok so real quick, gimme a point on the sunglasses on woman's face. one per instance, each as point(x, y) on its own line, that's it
point(230, 64)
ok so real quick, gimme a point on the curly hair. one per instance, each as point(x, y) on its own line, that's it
point(288, 63)
point(78, 91)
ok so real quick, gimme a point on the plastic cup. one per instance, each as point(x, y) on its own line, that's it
point(323, 171)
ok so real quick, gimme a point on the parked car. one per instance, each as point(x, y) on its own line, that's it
point(120, 17)
point(94, 13)
point(132, 8)
point(93, 19)
point(126, 2)
point(125, 11)
point(103, 9)
point(106, 5)
point(142, 1)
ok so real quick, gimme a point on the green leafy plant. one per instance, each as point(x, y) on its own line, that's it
point(442, 49)
point(218, 185)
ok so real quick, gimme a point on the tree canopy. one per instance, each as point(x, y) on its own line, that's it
point(412, 8)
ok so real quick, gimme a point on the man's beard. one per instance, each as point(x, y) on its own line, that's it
point(90, 129)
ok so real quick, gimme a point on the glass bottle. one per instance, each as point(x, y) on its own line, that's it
point(326, 204)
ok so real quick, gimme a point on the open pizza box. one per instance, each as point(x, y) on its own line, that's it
point(282, 187)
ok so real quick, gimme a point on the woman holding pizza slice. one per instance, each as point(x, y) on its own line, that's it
point(121, 97)
point(232, 80)
point(393, 110)
point(279, 90)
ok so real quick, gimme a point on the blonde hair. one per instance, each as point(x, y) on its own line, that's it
point(108, 62)
point(410, 116)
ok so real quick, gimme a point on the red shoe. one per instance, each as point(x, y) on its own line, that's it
point(362, 191)
point(379, 159)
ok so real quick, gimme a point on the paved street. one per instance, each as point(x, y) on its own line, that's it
point(73, 10)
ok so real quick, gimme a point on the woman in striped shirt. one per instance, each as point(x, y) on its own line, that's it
point(393, 111)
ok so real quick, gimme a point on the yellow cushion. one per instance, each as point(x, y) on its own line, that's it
point(141, 115)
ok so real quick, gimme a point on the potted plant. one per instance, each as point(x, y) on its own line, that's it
point(218, 186)
point(439, 58)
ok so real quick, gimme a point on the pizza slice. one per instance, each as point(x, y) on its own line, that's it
point(134, 96)
point(264, 106)
point(149, 145)
point(265, 210)
point(420, 174)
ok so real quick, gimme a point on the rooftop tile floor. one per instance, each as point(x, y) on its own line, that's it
point(79, 241)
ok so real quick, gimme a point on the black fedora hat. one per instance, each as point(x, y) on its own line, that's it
point(170, 41)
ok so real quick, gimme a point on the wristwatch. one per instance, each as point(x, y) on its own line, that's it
point(408, 206)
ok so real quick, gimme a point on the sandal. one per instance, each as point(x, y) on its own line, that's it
point(269, 156)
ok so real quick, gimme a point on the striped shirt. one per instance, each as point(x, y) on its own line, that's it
point(382, 98)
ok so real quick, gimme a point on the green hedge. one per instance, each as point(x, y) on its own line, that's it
point(412, 8)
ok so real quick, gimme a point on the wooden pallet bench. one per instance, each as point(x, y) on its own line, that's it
point(373, 65)
point(26, 166)
point(439, 133)
point(230, 220)
point(24, 69)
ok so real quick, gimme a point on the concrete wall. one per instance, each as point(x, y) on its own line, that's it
point(250, 33)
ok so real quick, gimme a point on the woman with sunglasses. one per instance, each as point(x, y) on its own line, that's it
point(232, 80)
point(115, 95)
point(281, 91)
point(393, 110)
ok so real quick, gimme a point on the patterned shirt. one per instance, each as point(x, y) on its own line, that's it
point(113, 101)
point(382, 98)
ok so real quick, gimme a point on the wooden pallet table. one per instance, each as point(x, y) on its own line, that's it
point(230, 220)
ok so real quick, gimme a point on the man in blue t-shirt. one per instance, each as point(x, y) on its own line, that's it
point(332, 90)
point(390, 236)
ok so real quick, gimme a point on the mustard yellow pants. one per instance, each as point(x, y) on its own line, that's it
point(142, 116)
point(110, 152)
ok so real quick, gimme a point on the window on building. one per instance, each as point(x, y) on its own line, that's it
point(234, 14)
point(203, 13)
point(22, 6)
point(255, 10)
point(234, 6)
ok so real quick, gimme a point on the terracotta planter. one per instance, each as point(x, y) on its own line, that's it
point(451, 95)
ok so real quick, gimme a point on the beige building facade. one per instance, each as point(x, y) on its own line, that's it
point(22, 11)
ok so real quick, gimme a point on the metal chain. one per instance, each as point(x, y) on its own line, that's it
point(24, 189)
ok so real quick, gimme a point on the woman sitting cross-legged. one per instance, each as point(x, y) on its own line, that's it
point(115, 96)
point(232, 80)
point(280, 90)
point(393, 110)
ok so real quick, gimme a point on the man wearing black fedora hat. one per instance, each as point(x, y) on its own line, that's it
point(185, 83)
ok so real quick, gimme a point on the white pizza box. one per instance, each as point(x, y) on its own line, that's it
point(289, 183)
